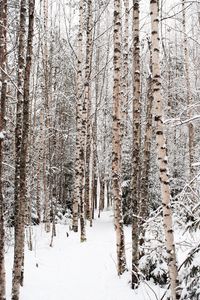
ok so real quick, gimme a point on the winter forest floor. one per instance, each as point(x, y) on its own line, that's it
point(73, 270)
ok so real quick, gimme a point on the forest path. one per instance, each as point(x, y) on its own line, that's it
point(71, 270)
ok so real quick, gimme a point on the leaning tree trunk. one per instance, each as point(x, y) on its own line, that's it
point(116, 141)
point(3, 50)
point(19, 204)
point(162, 153)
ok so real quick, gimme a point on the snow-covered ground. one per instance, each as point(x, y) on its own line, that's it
point(71, 270)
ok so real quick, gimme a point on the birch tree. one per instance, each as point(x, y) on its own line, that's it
point(26, 106)
point(19, 204)
point(145, 174)
point(116, 142)
point(136, 143)
point(162, 152)
point(81, 116)
point(94, 175)
point(22, 129)
point(188, 95)
point(88, 69)
point(3, 52)
point(125, 83)
point(46, 144)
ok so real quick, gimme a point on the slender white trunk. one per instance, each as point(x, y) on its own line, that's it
point(144, 191)
point(162, 152)
point(81, 117)
point(88, 66)
point(19, 204)
point(136, 143)
point(47, 119)
point(125, 84)
point(3, 91)
point(116, 141)
point(188, 95)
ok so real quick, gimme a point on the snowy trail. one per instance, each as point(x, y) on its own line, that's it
point(76, 271)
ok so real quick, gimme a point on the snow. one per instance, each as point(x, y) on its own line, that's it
point(197, 164)
point(2, 136)
point(73, 270)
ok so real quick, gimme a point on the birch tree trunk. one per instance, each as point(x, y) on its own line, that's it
point(39, 144)
point(19, 204)
point(18, 270)
point(81, 116)
point(136, 143)
point(39, 164)
point(162, 152)
point(78, 167)
point(144, 193)
point(102, 192)
point(83, 131)
point(88, 102)
point(94, 162)
point(3, 51)
point(125, 84)
point(188, 95)
point(116, 141)
point(26, 114)
point(95, 122)
point(47, 119)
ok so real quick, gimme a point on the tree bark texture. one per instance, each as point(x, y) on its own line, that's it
point(18, 271)
point(162, 152)
point(3, 51)
point(88, 67)
point(94, 163)
point(136, 144)
point(19, 204)
point(144, 191)
point(125, 82)
point(46, 143)
point(95, 124)
point(81, 119)
point(116, 141)
point(189, 96)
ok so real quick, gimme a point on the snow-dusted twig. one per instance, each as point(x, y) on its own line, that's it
point(141, 274)
point(180, 122)
point(11, 80)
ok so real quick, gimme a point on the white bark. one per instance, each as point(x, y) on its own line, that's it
point(136, 143)
point(162, 153)
point(116, 141)
point(188, 95)
point(81, 118)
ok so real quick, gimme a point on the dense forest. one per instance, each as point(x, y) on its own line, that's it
point(99, 112)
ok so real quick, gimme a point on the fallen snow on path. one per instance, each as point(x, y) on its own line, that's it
point(71, 270)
